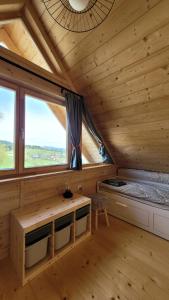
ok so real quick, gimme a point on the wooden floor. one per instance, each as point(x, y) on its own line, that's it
point(119, 262)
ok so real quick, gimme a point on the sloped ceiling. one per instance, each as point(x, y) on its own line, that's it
point(122, 69)
point(25, 46)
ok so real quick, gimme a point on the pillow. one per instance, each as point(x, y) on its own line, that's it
point(114, 182)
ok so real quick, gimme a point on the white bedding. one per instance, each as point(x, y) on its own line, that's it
point(153, 192)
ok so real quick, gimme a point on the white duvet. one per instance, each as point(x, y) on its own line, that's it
point(153, 192)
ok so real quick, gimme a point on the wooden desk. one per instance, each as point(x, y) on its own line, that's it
point(33, 216)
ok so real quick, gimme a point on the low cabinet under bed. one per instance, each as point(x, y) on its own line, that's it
point(43, 232)
point(147, 215)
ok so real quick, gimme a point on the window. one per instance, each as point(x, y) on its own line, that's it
point(7, 129)
point(90, 148)
point(33, 133)
point(45, 136)
point(2, 44)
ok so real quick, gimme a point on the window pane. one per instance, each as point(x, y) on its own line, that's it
point(90, 148)
point(7, 128)
point(45, 133)
point(3, 45)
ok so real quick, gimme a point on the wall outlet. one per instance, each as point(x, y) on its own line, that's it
point(79, 187)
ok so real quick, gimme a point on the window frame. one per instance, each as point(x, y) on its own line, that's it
point(19, 128)
point(19, 171)
point(40, 169)
point(13, 87)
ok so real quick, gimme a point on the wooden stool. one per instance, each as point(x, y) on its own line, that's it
point(99, 208)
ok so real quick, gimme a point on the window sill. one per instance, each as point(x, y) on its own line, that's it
point(42, 175)
point(98, 165)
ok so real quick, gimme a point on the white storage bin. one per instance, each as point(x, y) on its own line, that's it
point(81, 225)
point(62, 237)
point(36, 252)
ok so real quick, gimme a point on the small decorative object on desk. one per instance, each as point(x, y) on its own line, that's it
point(67, 194)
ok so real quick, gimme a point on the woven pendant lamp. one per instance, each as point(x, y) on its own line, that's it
point(79, 15)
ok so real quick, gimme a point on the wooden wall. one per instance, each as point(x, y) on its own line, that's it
point(122, 68)
point(27, 47)
point(14, 194)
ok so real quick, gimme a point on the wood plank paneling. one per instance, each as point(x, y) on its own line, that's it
point(122, 68)
point(29, 190)
point(9, 200)
point(129, 20)
point(4, 236)
point(55, 184)
point(25, 44)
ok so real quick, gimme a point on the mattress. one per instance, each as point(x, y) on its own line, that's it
point(151, 192)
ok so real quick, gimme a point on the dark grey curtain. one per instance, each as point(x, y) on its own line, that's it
point(74, 108)
point(87, 119)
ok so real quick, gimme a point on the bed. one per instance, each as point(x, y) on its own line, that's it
point(142, 201)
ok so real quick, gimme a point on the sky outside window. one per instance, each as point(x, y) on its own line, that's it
point(42, 127)
point(7, 128)
point(45, 137)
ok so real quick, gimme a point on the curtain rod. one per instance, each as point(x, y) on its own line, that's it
point(37, 75)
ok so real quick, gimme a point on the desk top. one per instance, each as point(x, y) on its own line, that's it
point(37, 214)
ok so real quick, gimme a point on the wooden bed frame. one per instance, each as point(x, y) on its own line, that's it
point(148, 216)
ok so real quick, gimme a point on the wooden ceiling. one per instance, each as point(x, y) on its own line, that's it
point(24, 44)
point(122, 69)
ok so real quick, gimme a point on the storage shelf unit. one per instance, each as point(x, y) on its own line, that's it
point(31, 217)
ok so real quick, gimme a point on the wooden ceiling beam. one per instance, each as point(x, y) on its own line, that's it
point(8, 17)
point(8, 71)
point(38, 43)
point(10, 10)
point(11, 5)
point(4, 37)
point(43, 41)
